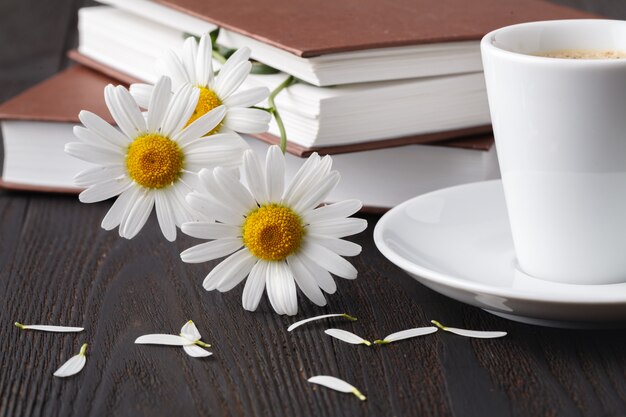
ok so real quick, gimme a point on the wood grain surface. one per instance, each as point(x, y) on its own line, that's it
point(57, 266)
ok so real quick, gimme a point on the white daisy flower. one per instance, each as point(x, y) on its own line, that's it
point(194, 68)
point(153, 160)
point(189, 339)
point(276, 236)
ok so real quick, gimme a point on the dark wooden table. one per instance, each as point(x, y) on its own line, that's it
point(58, 266)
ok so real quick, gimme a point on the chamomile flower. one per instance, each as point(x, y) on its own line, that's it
point(153, 160)
point(276, 236)
point(194, 68)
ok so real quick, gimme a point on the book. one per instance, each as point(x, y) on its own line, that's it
point(350, 41)
point(38, 123)
point(365, 115)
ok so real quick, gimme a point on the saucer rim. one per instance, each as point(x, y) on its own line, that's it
point(473, 287)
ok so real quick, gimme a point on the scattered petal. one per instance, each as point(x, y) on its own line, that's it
point(196, 351)
point(48, 328)
point(347, 337)
point(336, 384)
point(324, 316)
point(469, 333)
point(74, 365)
point(190, 331)
point(406, 334)
point(163, 339)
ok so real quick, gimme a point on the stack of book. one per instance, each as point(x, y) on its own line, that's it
point(394, 90)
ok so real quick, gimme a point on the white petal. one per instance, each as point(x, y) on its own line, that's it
point(215, 276)
point(211, 208)
point(97, 174)
point(334, 211)
point(163, 339)
point(73, 366)
point(301, 182)
point(118, 113)
point(211, 250)
point(131, 110)
point(196, 351)
point(306, 281)
point(255, 285)
point(180, 109)
point(324, 316)
point(275, 172)
point(201, 126)
point(247, 98)
point(174, 68)
point(159, 102)
point(207, 154)
point(338, 227)
point(317, 195)
point(141, 93)
point(255, 177)
point(190, 331)
point(204, 62)
point(183, 213)
point(244, 200)
point(228, 82)
point(339, 246)
point(99, 126)
point(105, 190)
point(224, 197)
point(407, 334)
point(91, 138)
point(244, 120)
point(49, 328)
point(207, 230)
point(138, 215)
point(469, 333)
point(93, 154)
point(121, 205)
point(336, 384)
point(236, 273)
point(190, 52)
point(232, 73)
point(329, 260)
point(347, 337)
point(322, 276)
point(281, 289)
point(165, 215)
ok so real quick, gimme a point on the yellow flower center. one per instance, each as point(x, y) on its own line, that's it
point(273, 232)
point(207, 101)
point(154, 161)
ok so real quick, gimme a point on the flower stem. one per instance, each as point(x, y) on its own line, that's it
point(20, 326)
point(274, 111)
point(217, 56)
point(381, 342)
point(83, 349)
point(202, 344)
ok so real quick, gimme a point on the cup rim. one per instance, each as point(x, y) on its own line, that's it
point(487, 45)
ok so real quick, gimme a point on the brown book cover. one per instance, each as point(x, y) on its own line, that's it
point(479, 137)
point(310, 28)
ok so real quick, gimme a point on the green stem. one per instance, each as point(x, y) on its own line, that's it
point(83, 349)
point(274, 111)
point(381, 342)
point(20, 326)
point(221, 58)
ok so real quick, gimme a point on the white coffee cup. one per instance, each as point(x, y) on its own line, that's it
point(560, 129)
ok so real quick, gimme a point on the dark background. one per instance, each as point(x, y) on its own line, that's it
point(58, 266)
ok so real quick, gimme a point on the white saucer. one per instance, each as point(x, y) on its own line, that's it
point(457, 242)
